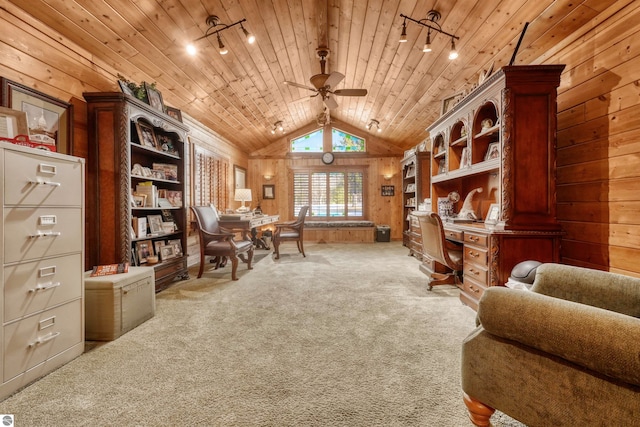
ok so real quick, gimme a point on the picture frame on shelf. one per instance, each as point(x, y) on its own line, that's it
point(144, 249)
point(40, 108)
point(177, 245)
point(493, 151)
point(146, 135)
point(155, 224)
point(175, 198)
point(13, 123)
point(493, 214)
point(465, 158)
point(157, 245)
point(268, 191)
point(165, 143)
point(173, 113)
point(154, 97)
point(124, 87)
point(139, 200)
point(450, 102)
point(167, 252)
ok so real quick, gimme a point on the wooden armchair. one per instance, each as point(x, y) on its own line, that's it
point(439, 249)
point(290, 232)
point(218, 242)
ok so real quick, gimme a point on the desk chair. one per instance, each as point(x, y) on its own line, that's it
point(290, 232)
point(218, 242)
point(439, 249)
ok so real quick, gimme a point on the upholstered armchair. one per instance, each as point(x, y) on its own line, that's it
point(291, 232)
point(566, 353)
point(220, 243)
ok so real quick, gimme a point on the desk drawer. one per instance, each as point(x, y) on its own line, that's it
point(453, 235)
point(476, 255)
point(475, 238)
point(475, 272)
point(473, 288)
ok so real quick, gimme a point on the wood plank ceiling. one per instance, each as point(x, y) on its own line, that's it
point(241, 95)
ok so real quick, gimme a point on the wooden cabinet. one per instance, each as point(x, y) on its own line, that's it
point(42, 263)
point(415, 188)
point(497, 147)
point(134, 148)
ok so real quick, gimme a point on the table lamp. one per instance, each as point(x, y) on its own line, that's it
point(243, 195)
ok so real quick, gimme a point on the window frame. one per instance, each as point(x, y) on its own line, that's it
point(328, 170)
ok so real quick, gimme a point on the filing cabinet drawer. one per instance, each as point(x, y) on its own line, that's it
point(475, 238)
point(31, 233)
point(37, 338)
point(34, 286)
point(475, 255)
point(475, 272)
point(32, 179)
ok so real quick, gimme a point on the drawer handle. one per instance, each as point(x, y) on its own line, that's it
point(474, 289)
point(471, 270)
point(474, 238)
point(52, 183)
point(474, 254)
point(46, 234)
point(49, 285)
point(42, 340)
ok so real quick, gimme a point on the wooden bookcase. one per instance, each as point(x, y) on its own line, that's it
point(415, 188)
point(500, 139)
point(118, 127)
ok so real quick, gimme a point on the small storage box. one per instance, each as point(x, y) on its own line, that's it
point(117, 303)
point(383, 233)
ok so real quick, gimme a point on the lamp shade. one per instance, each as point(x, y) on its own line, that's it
point(242, 195)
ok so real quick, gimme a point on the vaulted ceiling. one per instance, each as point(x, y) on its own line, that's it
point(241, 95)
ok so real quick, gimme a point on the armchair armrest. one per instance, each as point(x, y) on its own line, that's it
point(600, 340)
point(597, 288)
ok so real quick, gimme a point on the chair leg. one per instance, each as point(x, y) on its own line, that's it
point(234, 267)
point(202, 260)
point(250, 259)
point(276, 248)
point(301, 247)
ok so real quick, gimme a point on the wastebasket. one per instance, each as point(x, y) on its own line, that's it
point(383, 233)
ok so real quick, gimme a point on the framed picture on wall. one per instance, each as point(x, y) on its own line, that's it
point(388, 190)
point(268, 191)
point(49, 119)
point(239, 177)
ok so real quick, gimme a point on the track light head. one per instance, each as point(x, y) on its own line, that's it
point(216, 27)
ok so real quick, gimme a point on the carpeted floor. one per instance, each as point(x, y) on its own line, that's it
point(348, 336)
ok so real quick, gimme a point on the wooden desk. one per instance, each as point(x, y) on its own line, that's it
point(250, 225)
point(490, 254)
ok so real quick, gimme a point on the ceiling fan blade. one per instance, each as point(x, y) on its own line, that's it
point(333, 79)
point(350, 92)
point(300, 86)
point(330, 103)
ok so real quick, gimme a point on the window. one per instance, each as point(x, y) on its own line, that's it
point(329, 194)
point(309, 143)
point(345, 142)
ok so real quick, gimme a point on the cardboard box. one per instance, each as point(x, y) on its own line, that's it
point(117, 303)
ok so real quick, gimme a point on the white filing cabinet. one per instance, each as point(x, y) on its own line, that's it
point(41, 263)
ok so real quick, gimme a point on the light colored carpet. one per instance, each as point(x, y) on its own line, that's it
point(348, 336)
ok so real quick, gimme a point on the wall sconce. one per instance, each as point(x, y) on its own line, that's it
point(431, 22)
point(267, 177)
point(374, 123)
point(214, 22)
point(277, 126)
point(387, 176)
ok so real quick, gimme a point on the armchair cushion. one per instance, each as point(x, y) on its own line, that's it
point(597, 339)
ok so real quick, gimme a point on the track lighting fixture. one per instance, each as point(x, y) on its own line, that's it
point(277, 126)
point(216, 27)
point(431, 22)
point(374, 123)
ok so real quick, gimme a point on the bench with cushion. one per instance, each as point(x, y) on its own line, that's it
point(348, 231)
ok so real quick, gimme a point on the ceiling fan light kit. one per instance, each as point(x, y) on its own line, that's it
point(277, 126)
point(215, 28)
point(431, 22)
point(373, 123)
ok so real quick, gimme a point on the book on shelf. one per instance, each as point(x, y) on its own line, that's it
point(140, 226)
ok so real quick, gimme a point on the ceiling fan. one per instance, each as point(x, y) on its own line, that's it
point(324, 84)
